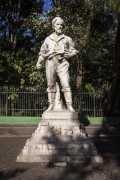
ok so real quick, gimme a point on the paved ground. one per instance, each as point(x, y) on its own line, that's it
point(10, 147)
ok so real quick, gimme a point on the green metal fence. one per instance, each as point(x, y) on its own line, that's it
point(20, 102)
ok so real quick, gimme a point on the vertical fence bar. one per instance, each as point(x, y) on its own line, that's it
point(6, 89)
point(94, 104)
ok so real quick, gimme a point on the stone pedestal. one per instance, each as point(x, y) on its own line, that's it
point(58, 139)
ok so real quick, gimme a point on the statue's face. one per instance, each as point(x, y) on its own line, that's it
point(58, 26)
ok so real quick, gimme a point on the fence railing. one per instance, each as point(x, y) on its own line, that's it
point(19, 102)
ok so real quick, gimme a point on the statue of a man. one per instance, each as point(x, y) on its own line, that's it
point(56, 50)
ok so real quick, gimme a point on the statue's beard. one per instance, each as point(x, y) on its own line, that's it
point(59, 31)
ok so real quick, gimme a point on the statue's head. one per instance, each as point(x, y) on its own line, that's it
point(57, 24)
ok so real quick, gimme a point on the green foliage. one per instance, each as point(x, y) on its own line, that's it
point(20, 24)
point(91, 24)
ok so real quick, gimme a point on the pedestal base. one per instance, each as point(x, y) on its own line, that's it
point(58, 139)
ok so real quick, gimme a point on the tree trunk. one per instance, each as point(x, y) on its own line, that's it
point(12, 18)
point(114, 90)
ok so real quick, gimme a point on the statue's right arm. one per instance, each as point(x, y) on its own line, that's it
point(42, 55)
point(40, 59)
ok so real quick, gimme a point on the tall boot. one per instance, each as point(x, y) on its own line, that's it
point(68, 99)
point(51, 100)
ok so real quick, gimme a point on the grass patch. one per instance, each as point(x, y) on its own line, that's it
point(36, 120)
point(100, 120)
point(19, 120)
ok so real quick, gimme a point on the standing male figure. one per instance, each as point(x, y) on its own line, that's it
point(56, 50)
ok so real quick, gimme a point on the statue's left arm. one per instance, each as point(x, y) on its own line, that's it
point(71, 50)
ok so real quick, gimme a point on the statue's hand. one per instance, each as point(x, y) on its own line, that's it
point(38, 66)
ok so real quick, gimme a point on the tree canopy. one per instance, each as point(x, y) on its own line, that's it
point(94, 26)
